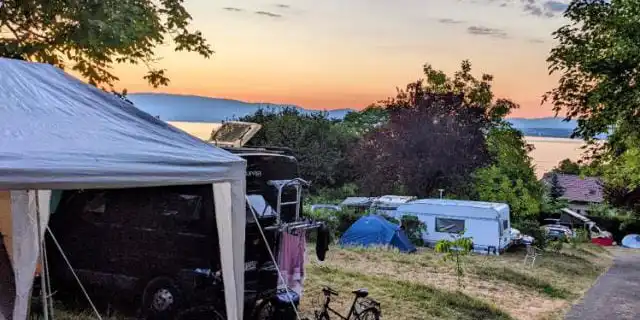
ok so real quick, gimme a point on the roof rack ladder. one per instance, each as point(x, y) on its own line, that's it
point(282, 185)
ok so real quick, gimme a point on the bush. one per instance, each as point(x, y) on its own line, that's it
point(337, 221)
point(581, 236)
point(414, 228)
point(532, 228)
point(555, 245)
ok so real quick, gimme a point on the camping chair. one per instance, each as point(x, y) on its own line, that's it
point(532, 253)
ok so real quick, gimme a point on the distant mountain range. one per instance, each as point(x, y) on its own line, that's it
point(172, 107)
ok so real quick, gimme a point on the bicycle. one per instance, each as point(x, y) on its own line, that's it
point(369, 308)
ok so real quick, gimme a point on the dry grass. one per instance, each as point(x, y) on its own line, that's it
point(422, 286)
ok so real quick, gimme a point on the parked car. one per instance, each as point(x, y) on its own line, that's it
point(557, 231)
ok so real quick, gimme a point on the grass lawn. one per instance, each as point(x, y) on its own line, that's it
point(423, 286)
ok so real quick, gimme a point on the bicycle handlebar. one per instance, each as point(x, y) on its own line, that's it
point(329, 291)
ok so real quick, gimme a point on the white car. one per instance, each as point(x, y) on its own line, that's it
point(557, 231)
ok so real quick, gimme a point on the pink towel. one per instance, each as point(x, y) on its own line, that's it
point(291, 260)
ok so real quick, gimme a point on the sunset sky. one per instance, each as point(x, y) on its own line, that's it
point(350, 53)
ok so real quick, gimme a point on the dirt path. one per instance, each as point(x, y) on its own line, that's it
point(616, 294)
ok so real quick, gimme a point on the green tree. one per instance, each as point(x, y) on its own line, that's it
point(555, 189)
point(597, 60)
point(320, 145)
point(431, 141)
point(477, 92)
point(92, 36)
point(413, 228)
point(366, 120)
point(621, 175)
point(511, 177)
point(567, 166)
point(552, 201)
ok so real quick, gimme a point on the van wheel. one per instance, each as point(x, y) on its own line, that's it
point(161, 299)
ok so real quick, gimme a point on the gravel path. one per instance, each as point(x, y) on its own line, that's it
point(616, 294)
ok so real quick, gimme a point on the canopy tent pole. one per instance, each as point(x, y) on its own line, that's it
point(43, 281)
point(45, 270)
point(230, 212)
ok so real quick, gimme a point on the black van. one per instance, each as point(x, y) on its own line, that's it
point(157, 247)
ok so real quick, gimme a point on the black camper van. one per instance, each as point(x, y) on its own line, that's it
point(157, 247)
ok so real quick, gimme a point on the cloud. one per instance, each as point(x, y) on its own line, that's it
point(555, 6)
point(233, 9)
point(546, 8)
point(283, 6)
point(449, 21)
point(484, 31)
point(269, 14)
point(536, 41)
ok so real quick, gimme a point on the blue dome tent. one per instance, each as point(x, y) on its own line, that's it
point(631, 241)
point(376, 230)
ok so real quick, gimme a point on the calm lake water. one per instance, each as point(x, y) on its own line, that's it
point(549, 152)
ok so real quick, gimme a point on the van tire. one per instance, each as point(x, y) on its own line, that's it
point(161, 299)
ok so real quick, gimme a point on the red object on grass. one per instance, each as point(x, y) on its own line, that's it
point(602, 241)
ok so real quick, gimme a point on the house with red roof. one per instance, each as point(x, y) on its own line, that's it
point(580, 192)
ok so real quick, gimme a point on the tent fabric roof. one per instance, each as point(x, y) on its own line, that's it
point(78, 136)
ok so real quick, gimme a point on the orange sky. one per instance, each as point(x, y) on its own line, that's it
point(348, 54)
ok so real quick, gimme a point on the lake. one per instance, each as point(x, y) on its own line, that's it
point(549, 152)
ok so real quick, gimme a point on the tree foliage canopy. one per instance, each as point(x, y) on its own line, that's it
point(320, 144)
point(91, 36)
point(511, 177)
point(598, 60)
point(430, 141)
point(567, 166)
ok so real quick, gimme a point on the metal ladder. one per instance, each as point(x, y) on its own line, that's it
point(282, 185)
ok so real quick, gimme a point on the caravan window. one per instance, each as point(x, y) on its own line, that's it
point(505, 225)
point(449, 225)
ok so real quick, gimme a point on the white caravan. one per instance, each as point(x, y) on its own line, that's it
point(487, 223)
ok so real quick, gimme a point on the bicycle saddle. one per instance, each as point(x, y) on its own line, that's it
point(361, 293)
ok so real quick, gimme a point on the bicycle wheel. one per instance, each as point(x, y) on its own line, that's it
point(369, 314)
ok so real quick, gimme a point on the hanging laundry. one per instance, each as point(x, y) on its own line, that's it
point(291, 259)
point(322, 242)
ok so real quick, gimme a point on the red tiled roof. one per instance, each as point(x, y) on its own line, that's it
point(587, 189)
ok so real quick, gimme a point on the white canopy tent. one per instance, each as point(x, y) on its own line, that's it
point(57, 132)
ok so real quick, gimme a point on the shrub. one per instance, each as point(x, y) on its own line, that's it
point(532, 228)
point(414, 228)
point(555, 245)
point(455, 250)
point(581, 236)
